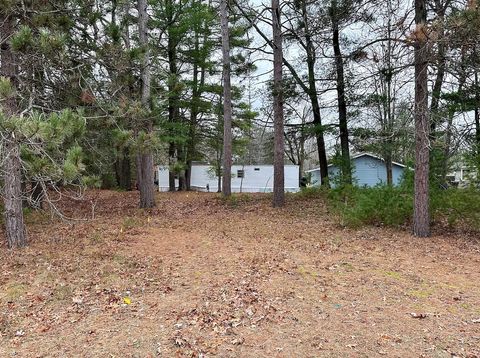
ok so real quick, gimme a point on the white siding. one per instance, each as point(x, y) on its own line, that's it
point(256, 178)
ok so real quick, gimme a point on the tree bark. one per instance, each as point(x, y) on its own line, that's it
point(173, 98)
point(182, 180)
point(227, 102)
point(279, 139)
point(342, 104)
point(477, 113)
point(389, 168)
point(421, 217)
point(309, 90)
point(123, 169)
point(145, 158)
point(313, 96)
point(171, 162)
point(14, 223)
point(441, 63)
point(12, 193)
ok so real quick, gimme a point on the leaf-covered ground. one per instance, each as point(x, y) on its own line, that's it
point(200, 277)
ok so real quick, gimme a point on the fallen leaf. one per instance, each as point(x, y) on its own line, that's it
point(77, 300)
point(20, 333)
point(238, 341)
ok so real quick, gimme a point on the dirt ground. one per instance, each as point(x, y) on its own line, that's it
point(201, 277)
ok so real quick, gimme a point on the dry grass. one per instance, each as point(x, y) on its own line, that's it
point(207, 277)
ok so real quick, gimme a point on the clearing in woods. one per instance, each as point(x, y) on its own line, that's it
point(200, 277)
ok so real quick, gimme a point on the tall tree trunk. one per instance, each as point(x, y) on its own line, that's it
point(279, 140)
point(198, 83)
point(441, 63)
point(309, 90)
point(389, 113)
point(14, 224)
point(388, 143)
point(173, 110)
point(313, 96)
point(447, 152)
point(145, 158)
point(421, 217)
point(193, 123)
point(342, 104)
point(12, 193)
point(227, 102)
point(477, 113)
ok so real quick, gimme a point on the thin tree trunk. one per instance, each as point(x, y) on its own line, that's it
point(279, 140)
point(198, 82)
point(145, 158)
point(421, 217)
point(182, 180)
point(173, 110)
point(342, 104)
point(441, 63)
point(193, 123)
point(477, 113)
point(446, 149)
point(309, 90)
point(123, 170)
point(171, 162)
point(449, 133)
point(227, 102)
point(388, 111)
point(313, 96)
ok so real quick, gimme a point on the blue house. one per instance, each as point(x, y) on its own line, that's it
point(367, 170)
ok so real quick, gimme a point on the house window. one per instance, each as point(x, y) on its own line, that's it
point(240, 173)
point(257, 169)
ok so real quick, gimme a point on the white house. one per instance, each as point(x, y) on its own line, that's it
point(461, 175)
point(245, 178)
point(367, 170)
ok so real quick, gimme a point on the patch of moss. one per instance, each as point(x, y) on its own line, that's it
point(421, 293)
point(393, 274)
point(14, 291)
point(62, 293)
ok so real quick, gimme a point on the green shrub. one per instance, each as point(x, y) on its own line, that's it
point(457, 206)
point(380, 205)
point(312, 192)
point(393, 206)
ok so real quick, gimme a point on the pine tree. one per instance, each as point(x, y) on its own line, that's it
point(279, 146)
point(421, 216)
point(227, 101)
